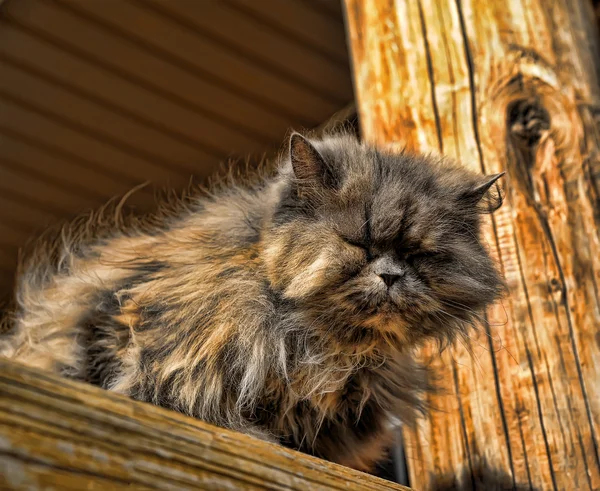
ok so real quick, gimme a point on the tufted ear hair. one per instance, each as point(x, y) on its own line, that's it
point(482, 196)
point(310, 168)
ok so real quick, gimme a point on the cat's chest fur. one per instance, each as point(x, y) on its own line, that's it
point(357, 405)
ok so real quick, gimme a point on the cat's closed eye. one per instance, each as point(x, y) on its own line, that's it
point(415, 254)
point(359, 245)
point(355, 243)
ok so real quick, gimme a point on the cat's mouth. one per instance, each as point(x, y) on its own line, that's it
point(384, 305)
point(385, 312)
point(399, 308)
point(389, 301)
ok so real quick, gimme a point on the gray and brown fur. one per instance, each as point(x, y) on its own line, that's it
point(287, 308)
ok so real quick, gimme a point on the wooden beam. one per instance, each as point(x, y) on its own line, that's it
point(505, 86)
point(60, 434)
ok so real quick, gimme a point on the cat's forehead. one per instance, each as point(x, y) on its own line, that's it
point(393, 193)
point(411, 214)
point(389, 210)
point(393, 184)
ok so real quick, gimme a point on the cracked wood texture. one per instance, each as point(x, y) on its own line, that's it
point(65, 435)
point(509, 86)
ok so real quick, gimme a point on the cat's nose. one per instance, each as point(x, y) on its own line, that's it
point(389, 279)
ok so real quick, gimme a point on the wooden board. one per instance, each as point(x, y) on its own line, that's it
point(505, 86)
point(60, 434)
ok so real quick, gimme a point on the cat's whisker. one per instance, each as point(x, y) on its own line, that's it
point(465, 335)
point(481, 317)
point(492, 338)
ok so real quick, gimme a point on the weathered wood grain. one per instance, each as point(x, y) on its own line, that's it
point(64, 435)
point(505, 86)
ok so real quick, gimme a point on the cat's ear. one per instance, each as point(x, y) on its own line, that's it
point(482, 196)
point(309, 166)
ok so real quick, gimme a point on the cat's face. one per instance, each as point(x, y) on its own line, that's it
point(372, 241)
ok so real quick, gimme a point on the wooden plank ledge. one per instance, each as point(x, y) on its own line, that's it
point(60, 434)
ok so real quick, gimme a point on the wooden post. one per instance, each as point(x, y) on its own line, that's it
point(60, 434)
point(505, 85)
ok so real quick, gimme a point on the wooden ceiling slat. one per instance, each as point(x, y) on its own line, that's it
point(259, 72)
point(59, 185)
point(245, 38)
point(12, 237)
point(7, 262)
point(7, 268)
point(6, 279)
point(330, 8)
point(296, 20)
point(222, 98)
point(142, 103)
point(34, 190)
point(46, 159)
point(40, 93)
point(40, 133)
point(34, 201)
point(145, 71)
point(162, 43)
point(101, 100)
point(61, 131)
point(151, 161)
point(205, 79)
point(27, 215)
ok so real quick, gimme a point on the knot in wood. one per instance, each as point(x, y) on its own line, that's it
point(528, 120)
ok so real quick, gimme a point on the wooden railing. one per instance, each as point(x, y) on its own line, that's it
point(65, 435)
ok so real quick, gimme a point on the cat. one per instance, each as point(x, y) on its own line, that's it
point(288, 308)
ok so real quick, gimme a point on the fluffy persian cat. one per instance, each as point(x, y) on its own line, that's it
point(287, 308)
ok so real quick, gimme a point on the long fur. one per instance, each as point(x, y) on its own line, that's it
point(259, 306)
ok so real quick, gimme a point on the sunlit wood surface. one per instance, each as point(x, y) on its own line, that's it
point(512, 86)
point(64, 435)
